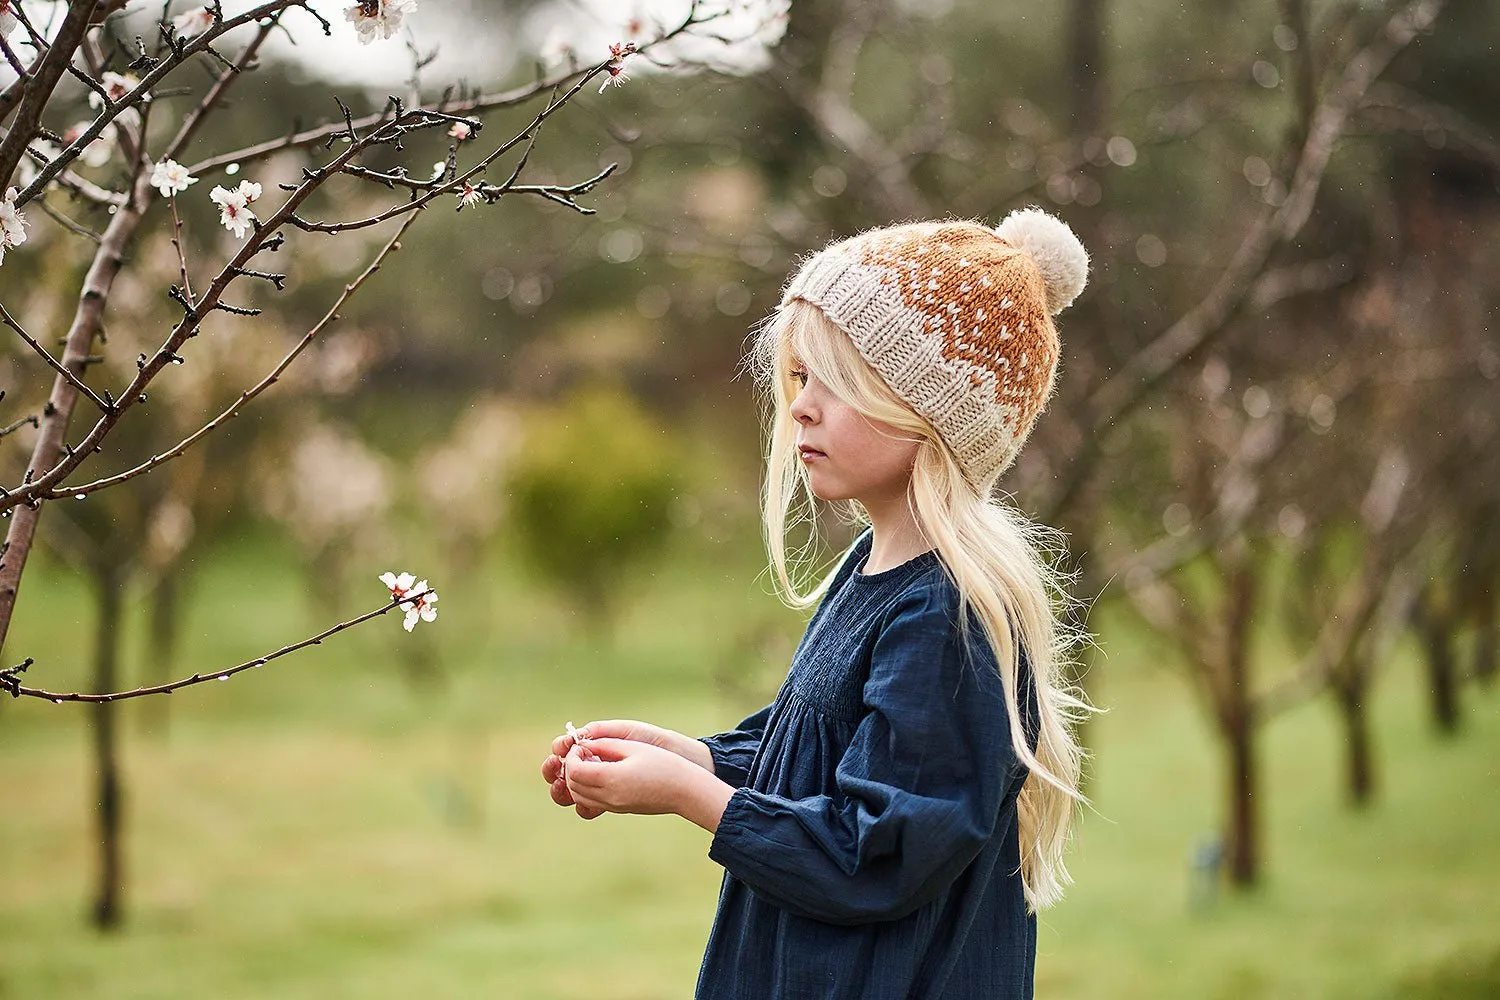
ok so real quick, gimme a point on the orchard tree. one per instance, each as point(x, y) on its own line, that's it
point(100, 167)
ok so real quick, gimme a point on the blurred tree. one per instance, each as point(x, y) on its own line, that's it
point(591, 495)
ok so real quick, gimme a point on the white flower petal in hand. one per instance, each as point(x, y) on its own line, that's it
point(171, 177)
point(378, 18)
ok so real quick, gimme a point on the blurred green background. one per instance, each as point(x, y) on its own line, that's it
point(1273, 448)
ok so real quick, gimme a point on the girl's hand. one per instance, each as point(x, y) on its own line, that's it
point(639, 732)
point(630, 776)
point(552, 774)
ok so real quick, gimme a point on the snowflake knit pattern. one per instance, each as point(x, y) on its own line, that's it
point(957, 318)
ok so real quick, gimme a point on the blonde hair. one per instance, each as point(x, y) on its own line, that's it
point(1002, 564)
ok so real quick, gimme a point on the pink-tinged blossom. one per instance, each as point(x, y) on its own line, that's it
point(97, 152)
point(116, 86)
point(460, 131)
point(193, 22)
point(171, 177)
point(468, 197)
point(420, 606)
point(234, 209)
point(398, 584)
point(616, 68)
point(12, 224)
point(378, 18)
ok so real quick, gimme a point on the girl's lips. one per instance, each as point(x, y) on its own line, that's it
point(808, 454)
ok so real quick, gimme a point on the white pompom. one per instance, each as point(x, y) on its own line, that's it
point(1058, 253)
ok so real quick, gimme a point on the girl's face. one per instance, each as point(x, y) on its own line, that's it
point(861, 459)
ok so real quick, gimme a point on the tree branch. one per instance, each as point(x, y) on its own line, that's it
point(10, 676)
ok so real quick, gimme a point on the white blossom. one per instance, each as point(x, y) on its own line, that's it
point(468, 197)
point(12, 224)
point(378, 18)
point(193, 22)
point(234, 209)
point(8, 20)
point(399, 584)
point(100, 149)
point(420, 606)
point(29, 167)
point(249, 190)
point(557, 51)
point(439, 169)
point(171, 177)
point(116, 85)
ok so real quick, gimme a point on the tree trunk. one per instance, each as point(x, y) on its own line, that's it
point(1086, 65)
point(1359, 771)
point(107, 901)
point(161, 647)
point(1442, 668)
point(1487, 644)
point(1242, 841)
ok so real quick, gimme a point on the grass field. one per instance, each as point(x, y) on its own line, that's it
point(329, 828)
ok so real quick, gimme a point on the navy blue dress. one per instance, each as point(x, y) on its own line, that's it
point(870, 847)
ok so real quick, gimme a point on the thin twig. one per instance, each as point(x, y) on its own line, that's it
point(10, 676)
point(12, 428)
point(233, 409)
point(74, 380)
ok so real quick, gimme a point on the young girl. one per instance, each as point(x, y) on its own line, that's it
point(890, 824)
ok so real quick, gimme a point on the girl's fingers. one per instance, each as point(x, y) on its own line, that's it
point(562, 744)
point(611, 750)
point(552, 768)
point(560, 794)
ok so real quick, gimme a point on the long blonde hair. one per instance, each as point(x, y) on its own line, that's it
point(1003, 565)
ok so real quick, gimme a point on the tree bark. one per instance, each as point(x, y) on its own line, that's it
point(1242, 841)
point(1442, 669)
point(1086, 35)
point(108, 907)
point(161, 648)
point(1359, 771)
point(1487, 645)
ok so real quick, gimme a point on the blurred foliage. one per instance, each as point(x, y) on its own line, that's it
point(591, 497)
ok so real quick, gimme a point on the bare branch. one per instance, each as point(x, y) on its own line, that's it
point(71, 377)
point(10, 676)
point(234, 408)
point(1212, 315)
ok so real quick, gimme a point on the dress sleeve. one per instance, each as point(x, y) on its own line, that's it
point(734, 751)
point(917, 794)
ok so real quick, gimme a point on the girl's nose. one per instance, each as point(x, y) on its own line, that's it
point(802, 409)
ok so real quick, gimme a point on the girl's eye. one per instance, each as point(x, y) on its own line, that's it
point(799, 375)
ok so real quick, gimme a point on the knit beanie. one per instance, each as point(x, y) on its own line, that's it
point(956, 317)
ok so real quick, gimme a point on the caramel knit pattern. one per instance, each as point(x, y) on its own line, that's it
point(954, 319)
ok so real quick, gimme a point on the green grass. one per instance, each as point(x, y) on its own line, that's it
point(327, 827)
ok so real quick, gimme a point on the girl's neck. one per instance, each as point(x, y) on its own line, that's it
point(896, 538)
